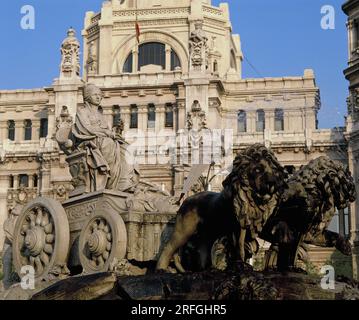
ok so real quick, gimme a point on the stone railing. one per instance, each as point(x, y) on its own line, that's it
point(153, 12)
point(130, 79)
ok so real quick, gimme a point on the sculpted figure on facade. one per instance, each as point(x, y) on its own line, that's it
point(198, 45)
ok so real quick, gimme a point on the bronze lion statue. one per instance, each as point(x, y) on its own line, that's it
point(308, 206)
point(250, 196)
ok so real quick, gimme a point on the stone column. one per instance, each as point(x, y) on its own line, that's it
point(105, 45)
point(160, 117)
point(16, 181)
point(31, 181)
point(45, 181)
point(19, 130)
point(175, 117)
point(51, 122)
point(350, 25)
point(286, 121)
point(36, 129)
point(3, 131)
point(168, 58)
point(353, 160)
point(125, 116)
point(251, 121)
point(4, 184)
point(182, 117)
point(269, 118)
point(143, 117)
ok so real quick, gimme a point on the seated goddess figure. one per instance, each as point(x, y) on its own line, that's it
point(111, 165)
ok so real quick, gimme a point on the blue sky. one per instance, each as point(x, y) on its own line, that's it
point(279, 38)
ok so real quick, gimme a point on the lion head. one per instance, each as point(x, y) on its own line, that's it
point(255, 185)
point(326, 182)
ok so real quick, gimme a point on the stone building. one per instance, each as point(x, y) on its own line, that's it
point(164, 67)
point(351, 9)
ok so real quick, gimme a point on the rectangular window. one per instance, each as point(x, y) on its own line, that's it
point(169, 116)
point(11, 130)
point(242, 122)
point(152, 53)
point(11, 182)
point(24, 180)
point(116, 117)
point(28, 130)
point(260, 121)
point(44, 123)
point(36, 181)
point(151, 116)
point(279, 120)
point(134, 117)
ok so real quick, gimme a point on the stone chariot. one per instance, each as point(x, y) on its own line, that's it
point(98, 227)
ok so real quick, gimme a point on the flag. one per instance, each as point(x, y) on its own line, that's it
point(138, 32)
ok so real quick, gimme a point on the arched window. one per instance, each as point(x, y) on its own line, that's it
point(279, 120)
point(175, 61)
point(242, 121)
point(152, 53)
point(134, 117)
point(28, 130)
point(261, 124)
point(11, 130)
point(127, 67)
point(151, 122)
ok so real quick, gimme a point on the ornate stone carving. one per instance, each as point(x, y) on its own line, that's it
point(70, 51)
point(198, 47)
point(91, 63)
point(196, 119)
point(353, 102)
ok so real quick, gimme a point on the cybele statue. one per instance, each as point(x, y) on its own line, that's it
point(114, 221)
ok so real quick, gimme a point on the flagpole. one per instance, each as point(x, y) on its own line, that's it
point(137, 27)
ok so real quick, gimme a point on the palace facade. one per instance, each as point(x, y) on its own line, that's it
point(164, 67)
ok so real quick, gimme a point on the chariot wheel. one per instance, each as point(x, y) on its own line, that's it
point(102, 239)
point(41, 237)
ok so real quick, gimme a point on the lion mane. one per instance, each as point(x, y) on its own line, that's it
point(328, 185)
point(250, 195)
point(307, 209)
point(253, 209)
